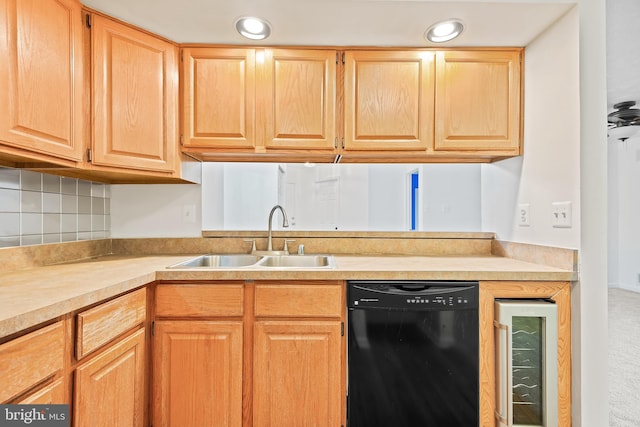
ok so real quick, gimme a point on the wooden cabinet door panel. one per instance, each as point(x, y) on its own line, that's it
point(198, 373)
point(297, 374)
point(109, 389)
point(135, 98)
point(388, 100)
point(41, 76)
point(478, 100)
point(218, 97)
point(299, 98)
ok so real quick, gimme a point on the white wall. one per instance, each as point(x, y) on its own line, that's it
point(624, 227)
point(165, 210)
point(549, 171)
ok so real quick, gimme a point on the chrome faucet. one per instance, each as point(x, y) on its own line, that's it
point(285, 223)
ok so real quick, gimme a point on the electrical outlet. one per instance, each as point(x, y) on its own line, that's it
point(189, 214)
point(523, 215)
point(561, 215)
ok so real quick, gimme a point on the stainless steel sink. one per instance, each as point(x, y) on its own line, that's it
point(256, 261)
point(298, 261)
point(219, 261)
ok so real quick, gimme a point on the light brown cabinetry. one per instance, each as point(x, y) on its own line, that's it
point(384, 105)
point(110, 383)
point(243, 100)
point(198, 363)
point(41, 76)
point(297, 99)
point(109, 388)
point(389, 100)
point(31, 360)
point(298, 354)
point(134, 88)
point(478, 101)
point(275, 349)
point(218, 98)
point(560, 292)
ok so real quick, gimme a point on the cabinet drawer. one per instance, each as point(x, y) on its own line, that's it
point(27, 360)
point(195, 300)
point(99, 325)
point(50, 394)
point(318, 299)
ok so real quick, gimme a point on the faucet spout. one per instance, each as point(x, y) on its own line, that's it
point(285, 223)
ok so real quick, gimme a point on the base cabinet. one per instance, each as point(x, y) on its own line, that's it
point(198, 373)
point(109, 389)
point(558, 292)
point(299, 360)
point(243, 354)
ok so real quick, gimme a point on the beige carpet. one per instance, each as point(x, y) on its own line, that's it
point(624, 358)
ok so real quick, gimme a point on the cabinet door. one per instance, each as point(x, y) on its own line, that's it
point(41, 77)
point(297, 374)
point(218, 97)
point(478, 101)
point(197, 373)
point(109, 389)
point(388, 100)
point(135, 98)
point(299, 99)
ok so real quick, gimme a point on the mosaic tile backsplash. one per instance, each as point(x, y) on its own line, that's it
point(37, 208)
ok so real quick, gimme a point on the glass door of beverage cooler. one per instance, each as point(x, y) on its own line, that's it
point(526, 337)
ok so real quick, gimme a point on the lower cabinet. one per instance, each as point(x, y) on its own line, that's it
point(256, 354)
point(198, 373)
point(560, 293)
point(297, 375)
point(109, 388)
point(29, 362)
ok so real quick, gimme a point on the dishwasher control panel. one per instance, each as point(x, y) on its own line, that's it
point(413, 295)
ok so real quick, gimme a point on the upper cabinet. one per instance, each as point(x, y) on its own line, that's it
point(218, 98)
point(297, 98)
point(256, 100)
point(478, 101)
point(134, 87)
point(41, 75)
point(375, 105)
point(388, 100)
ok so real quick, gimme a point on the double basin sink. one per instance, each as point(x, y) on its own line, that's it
point(266, 261)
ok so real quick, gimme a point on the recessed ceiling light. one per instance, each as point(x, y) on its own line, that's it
point(444, 31)
point(253, 28)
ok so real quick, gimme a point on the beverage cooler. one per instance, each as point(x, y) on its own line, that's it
point(526, 339)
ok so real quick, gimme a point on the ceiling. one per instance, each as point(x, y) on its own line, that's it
point(339, 22)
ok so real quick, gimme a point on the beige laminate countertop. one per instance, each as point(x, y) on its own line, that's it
point(30, 297)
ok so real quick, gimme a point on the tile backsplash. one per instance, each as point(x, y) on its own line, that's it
point(37, 208)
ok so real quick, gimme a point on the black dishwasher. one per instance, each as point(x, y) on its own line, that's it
point(412, 354)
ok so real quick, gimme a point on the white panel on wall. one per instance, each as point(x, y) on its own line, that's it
point(250, 192)
point(212, 196)
point(452, 197)
point(389, 201)
point(165, 210)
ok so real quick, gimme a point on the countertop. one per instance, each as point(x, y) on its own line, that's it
point(36, 295)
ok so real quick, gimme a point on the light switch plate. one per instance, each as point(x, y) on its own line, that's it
point(561, 215)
